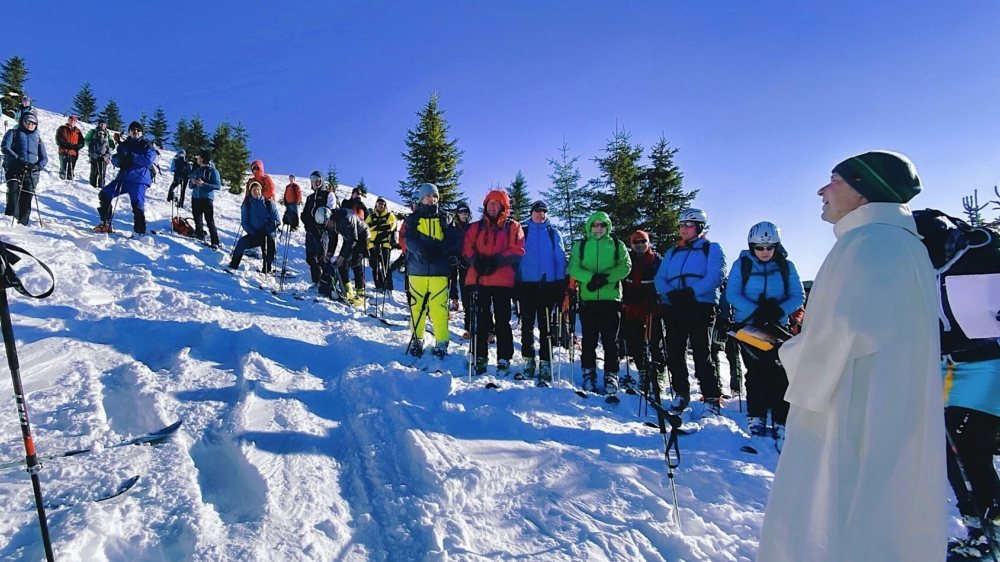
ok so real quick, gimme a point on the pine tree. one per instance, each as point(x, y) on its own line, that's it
point(231, 155)
point(568, 201)
point(332, 180)
point(616, 191)
point(181, 132)
point(112, 115)
point(13, 74)
point(84, 104)
point(191, 137)
point(520, 205)
point(431, 157)
point(662, 195)
point(159, 128)
point(362, 187)
point(144, 121)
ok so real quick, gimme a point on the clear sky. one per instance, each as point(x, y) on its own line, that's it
point(762, 98)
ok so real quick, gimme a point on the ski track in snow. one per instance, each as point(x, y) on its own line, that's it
point(307, 435)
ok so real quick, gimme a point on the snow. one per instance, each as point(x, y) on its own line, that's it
point(307, 435)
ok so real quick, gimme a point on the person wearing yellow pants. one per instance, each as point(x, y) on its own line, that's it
point(433, 247)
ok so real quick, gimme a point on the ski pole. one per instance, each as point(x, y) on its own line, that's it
point(31, 457)
point(284, 258)
point(984, 521)
point(17, 198)
point(38, 205)
point(671, 452)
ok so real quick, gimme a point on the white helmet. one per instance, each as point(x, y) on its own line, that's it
point(693, 215)
point(321, 215)
point(764, 233)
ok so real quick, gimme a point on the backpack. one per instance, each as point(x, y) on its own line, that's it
point(182, 226)
point(967, 263)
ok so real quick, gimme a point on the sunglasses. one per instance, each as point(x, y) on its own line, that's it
point(764, 247)
point(688, 224)
point(598, 225)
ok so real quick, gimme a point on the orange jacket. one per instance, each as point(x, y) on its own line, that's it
point(502, 239)
point(266, 183)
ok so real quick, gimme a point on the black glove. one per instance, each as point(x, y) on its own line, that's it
point(486, 265)
point(597, 281)
point(768, 312)
point(124, 160)
point(36, 167)
point(681, 296)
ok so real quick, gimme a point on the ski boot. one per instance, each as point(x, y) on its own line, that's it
point(629, 384)
point(503, 367)
point(760, 438)
point(529, 370)
point(103, 228)
point(417, 348)
point(481, 364)
point(611, 383)
point(590, 380)
point(544, 374)
point(440, 349)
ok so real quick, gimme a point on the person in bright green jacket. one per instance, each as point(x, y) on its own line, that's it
point(599, 262)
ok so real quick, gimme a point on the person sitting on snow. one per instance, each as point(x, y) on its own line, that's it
point(259, 217)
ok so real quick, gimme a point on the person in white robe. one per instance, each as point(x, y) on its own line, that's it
point(862, 473)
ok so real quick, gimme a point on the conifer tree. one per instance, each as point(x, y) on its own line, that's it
point(158, 127)
point(431, 157)
point(362, 187)
point(568, 201)
point(144, 121)
point(13, 74)
point(662, 195)
point(332, 180)
point(231, 155)
point(181, 132)
point(84, 104)
point(192, 137)
point(112, 115)
point(616, 191)
point(520, 205)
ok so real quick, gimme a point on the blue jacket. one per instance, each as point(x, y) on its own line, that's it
point(544, 258)
point(213, 182)
point(259, 215)
point(141, 156)
point(180, 167)
point(765, 282)
point(699, 264)
point(23, 147)
point(431, 242)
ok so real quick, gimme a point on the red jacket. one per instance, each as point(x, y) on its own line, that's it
point(293, 194)
point(266, 183)
point(69, 139)
point(503, 239)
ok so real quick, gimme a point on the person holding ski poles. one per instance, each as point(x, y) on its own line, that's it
point(862, 473)
point(599, 262)
point(133, 158)
point(69, 139)
point(764, 289)
point(432, 249)
point(641, 312)
point(24, 157)
point(259, 218)
point(382, 224)
point(291, 200)
point(182, 171)
point(688, 283)
point(493, 246)
point(542, 275)
point(99, 148)
point(317, 235)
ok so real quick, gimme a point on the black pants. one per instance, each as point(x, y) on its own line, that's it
point(600, 319)
point(98, 169)
point(692, 323)
point(537, 301)
point(260, 239)
point(317, 241)
point(204, 209)
point(974, 434)
point(635, 339)
point(766, 384)
point(178, 181)
point(495, 310)
point(721, 341)
point(354, 264)
point(458, 289)
point(19, 196)
point(380, 267)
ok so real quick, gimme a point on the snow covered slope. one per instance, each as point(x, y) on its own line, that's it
point(307, 435)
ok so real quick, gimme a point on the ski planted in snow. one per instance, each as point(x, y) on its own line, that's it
point(100, 496)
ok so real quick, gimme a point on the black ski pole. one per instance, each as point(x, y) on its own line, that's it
point(473, 328)
point(984, 521)
point(31, 457)
point(284, 258)
point(671, 451)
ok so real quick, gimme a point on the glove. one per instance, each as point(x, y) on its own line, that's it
point(36, 167)
point(486, 265)
point(768, 312)
point(124, 160)
point(683, 296)
point(597, 281)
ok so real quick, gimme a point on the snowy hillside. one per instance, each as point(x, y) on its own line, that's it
point(306, 435)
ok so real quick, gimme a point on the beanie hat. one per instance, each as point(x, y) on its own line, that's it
point(881, 176)
point(640, 235)
point(134, 126)
point(539, 206)
point(316, 174)
point(463, 206)
point(206, 155)
point(102, 121)
point(427, 189)
point(379, 200)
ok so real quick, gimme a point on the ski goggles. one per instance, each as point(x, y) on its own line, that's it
point(688, 224)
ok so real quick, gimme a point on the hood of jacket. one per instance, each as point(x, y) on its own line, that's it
point(260, 169)
point(500, 196)
point(597, 216)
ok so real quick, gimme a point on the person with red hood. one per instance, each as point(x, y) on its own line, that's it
point(641, 312)
point(265, 181)
point(493, 246)
point(69, 138)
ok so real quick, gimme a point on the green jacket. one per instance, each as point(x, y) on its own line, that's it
point(599, 255)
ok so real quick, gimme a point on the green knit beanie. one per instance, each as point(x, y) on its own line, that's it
point(881, 176)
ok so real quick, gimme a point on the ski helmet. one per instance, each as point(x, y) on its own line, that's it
point(321, 215)
point(693, 215)
point(764, 233)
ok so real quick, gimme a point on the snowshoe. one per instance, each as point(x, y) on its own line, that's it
point(679, 404)
point(542, 383)
point(103, 228)
point(440, 350)
point(629, 384)
point(528, 372)
point(759, 441)
point(416, 348)
point(590, 380)
point(503, 367)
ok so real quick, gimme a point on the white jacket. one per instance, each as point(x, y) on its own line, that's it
point(862, 472)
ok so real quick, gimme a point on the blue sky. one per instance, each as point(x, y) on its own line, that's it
point(761, 98)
